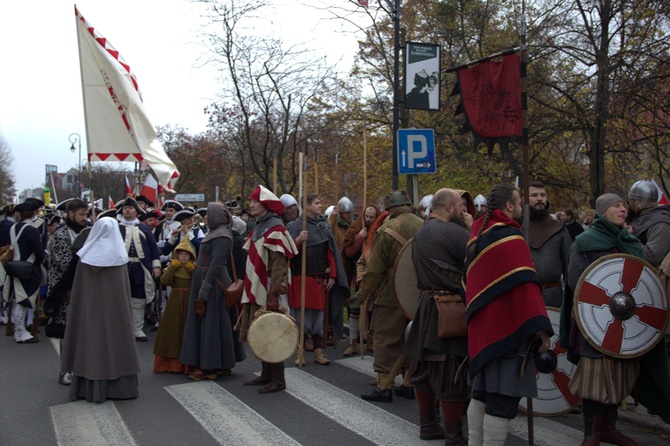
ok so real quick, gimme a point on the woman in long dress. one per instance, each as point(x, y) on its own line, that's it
point(210, 345)
point(99, 343)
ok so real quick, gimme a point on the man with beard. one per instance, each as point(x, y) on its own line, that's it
point(388, 321)
point(324, 277)
point(549, 244)
point(505, 317)
point(438, 252)
point(143, 262)
point(352, 248)
point(340, 219)
point(60, 250)
point(269, 247)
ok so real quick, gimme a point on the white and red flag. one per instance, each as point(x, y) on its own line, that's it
point(150, 188)
point(117, 126)
point(111, 203)
point(129, 190)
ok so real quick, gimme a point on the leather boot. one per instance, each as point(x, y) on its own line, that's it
point(265, 377)
point(476, 411)
point(592, 423)
point(378, 394)
point(278, 383)
point(453, 424)
point(299, 359)
point(495, 430)
point(608, 430)
point(319, 356)
point(309, 345)
point(429, 426)
point(351, 350)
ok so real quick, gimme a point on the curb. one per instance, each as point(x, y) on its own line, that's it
point(639, 415)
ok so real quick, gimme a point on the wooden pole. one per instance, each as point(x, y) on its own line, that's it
point(362, 331)
point(303, 270)
point(365, 167)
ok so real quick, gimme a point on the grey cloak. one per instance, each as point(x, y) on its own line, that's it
point(99, 345)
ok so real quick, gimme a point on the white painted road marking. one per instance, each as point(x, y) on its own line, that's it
point(84, 424)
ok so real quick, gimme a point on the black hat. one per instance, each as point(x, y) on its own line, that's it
point(184, 213)
point(98, 211)
point(149, 214)
point(8, 208)
point(52, 218)
point(129, 201)
point(202, 212)
point(173, 205)
point(61, 206)
point(31, 204)
point(144, 199)
point(110, 213)
point(246, 211)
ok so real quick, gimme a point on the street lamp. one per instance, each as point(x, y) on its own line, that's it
point(75, 138)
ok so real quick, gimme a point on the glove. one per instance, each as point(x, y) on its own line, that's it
point(200, 308)
point(190, 266)
point(160, 244)
point(176, 263)
point(163, 259)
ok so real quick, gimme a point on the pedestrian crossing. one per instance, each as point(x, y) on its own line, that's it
point(229, 420)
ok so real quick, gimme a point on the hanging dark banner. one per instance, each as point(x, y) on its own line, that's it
point(491, 100)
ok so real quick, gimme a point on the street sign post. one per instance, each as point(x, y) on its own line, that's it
point(190, 198)
point(416, 151)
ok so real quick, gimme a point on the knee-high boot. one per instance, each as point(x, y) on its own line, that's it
point(265, 378)
point(138, 306)
point(476, 411)
point(592, 423)
point(278, 382)
point(453, 424)
point(608, 430)
point(429, 425)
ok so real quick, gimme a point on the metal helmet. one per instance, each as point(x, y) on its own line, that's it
point(426, 201)
point(643, 190)
point(479, 201)
point(397, 198)
point(289, 200)
point(345, 205)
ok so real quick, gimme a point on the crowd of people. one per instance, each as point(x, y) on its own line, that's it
point(484, 285)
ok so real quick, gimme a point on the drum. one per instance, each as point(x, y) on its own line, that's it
point(273, 337)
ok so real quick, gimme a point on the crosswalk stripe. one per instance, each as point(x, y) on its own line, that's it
point(225, 417)
point(365, 419)
point(363, 365)
point(547, 432)
point(83, 424)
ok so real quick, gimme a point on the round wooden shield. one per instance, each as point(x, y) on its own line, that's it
point(620, 306)
point(403, 279)
point(273, 337)
point(553, 396)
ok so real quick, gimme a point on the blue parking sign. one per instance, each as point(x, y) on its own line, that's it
point(416, 151)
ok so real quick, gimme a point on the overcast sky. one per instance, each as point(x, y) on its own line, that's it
point(40, 87)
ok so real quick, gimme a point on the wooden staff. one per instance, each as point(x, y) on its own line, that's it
point(303, 270)
point(362, 334)
point(365, 168)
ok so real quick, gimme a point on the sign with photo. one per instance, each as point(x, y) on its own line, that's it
point(422, 76)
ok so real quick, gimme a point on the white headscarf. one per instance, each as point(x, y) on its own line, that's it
point(104, 245)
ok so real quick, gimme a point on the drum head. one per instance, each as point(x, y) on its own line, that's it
point(553, 396)
point(273, 337)
point(620, 306)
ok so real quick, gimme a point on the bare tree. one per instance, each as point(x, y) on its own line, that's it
point(7, 181)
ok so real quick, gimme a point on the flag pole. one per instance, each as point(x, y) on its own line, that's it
point(83, 97)
point(526, 175)
point(303, 269)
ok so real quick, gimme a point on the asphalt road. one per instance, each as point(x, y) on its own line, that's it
point(320, 407)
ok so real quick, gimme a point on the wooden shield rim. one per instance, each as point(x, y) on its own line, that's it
point(407, 245)
point(578, 321)
point(251, 347)
point(547, 414)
